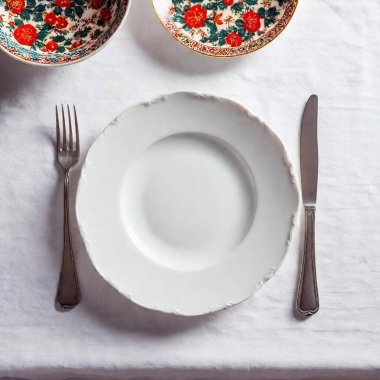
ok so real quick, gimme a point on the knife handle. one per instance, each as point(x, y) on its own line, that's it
point(307, 296)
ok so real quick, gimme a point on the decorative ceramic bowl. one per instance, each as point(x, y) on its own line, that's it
point(57, 32)
point(225, 28)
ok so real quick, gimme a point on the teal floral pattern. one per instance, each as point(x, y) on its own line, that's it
point(65, 30)
point(227, 27)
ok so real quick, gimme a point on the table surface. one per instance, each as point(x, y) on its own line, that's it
point(329, 49)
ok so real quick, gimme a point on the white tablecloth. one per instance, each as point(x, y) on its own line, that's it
point(330, 48)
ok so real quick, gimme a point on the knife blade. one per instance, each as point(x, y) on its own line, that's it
point(307, 302)
point(309, 152)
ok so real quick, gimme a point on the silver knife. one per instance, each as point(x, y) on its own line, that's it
point(307, 296)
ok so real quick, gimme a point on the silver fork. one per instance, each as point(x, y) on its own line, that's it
point(67, 156)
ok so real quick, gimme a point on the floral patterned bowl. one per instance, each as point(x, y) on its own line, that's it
point(57, 32)
point(225, 28)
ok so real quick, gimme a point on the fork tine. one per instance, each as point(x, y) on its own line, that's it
point(70, 130)
point(77, 146)
point(58, 132)
point(64, 147)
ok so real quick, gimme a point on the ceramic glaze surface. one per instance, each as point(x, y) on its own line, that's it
point(225, 28)
point(58, 31)
point(195, 201)
point(188, 201)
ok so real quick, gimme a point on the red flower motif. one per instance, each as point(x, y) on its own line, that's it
point(63, 3)
point(51, 46)
point(252, 21)
point(228, 2)
point(76, 44)
point(234, 39)
point(25, 34)
point(96, 4)
point(217, 19)
point(50, 18)
point(195, 16)
point(17, 6)
point(61, 22)
point(105, 14)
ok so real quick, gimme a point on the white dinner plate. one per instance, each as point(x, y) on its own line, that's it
point(186, 204)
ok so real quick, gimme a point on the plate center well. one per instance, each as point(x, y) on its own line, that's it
point(188, 201)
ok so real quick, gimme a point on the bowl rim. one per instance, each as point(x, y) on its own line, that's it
point(206, 53)
point(52, 65)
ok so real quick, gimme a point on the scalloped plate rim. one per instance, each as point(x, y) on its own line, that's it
point(83, 220)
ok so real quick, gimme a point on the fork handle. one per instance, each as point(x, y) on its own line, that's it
point(68, 287)
point(307, 298)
